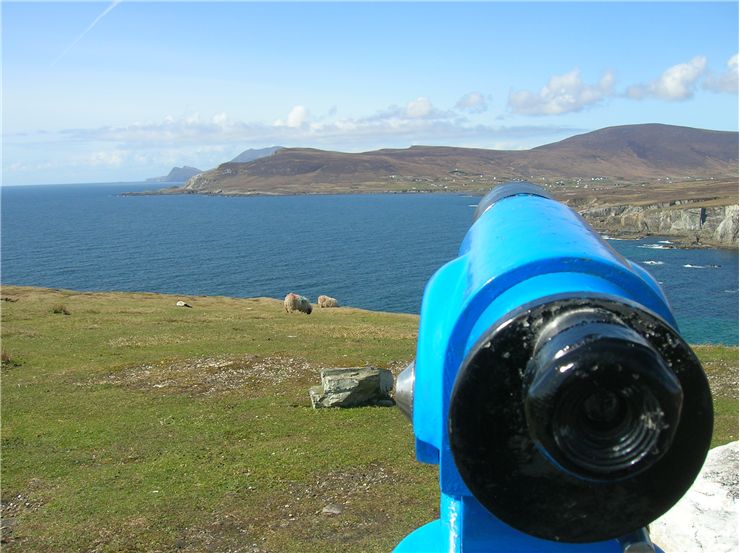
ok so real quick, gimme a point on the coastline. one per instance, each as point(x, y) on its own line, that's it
point(606, 219)
point(8, 291)
point(683, 241)
point(9, 294)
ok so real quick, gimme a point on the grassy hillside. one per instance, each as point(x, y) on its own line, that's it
point(130, 424)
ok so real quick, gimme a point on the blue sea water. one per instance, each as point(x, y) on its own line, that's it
point(369, 251)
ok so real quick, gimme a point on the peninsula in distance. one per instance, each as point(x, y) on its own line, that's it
point(177, 174)
point(628, 180)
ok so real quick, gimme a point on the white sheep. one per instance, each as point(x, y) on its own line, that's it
point(326, 301)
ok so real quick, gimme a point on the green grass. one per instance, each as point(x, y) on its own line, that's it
point(721, 366)
point(133, 425)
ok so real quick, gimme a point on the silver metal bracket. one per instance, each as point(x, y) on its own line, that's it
point(637, 542)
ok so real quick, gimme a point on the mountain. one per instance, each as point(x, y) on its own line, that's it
point(631, 154)
point(250, 155)
point(647, 150)
point(177, 174)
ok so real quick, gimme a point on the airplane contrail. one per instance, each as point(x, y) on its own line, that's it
point(105, 12)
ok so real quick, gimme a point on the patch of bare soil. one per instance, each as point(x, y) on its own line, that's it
point(208, 375)
point(722, 377)
point(341, 507)
point(224, 534)
point(13, 506)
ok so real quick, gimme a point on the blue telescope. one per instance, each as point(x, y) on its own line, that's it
point(551, 387)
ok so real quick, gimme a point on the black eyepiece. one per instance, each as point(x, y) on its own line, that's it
point(599, 400)
point(565, 402)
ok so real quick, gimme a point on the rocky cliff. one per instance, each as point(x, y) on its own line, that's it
point(715, 225)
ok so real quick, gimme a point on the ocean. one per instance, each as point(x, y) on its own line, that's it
point(369, 251)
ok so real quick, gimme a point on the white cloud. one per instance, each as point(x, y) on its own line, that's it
point(562, 94)
point(109, 158)
point(418, 122)
point(675, 84)
point(421, 107)
point(17, 166)
point(193, 119)
point(473, 102)
point(220, 119)
point(414, 112)
point(104, 159)
point(297, 117)
point(190, 129)
point(724, 82)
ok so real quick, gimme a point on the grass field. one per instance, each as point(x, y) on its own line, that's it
point(129, 424)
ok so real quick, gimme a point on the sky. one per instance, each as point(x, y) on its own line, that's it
point(125, 90)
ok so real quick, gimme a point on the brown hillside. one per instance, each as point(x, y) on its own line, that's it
point(646, 150)
point(632, 154)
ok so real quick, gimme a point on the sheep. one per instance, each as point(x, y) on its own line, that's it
point(294, 302)
point(326, 301)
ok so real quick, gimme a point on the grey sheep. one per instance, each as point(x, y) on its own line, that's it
point(294, 302)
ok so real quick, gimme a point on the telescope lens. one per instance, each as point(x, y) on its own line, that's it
point(601, 401)
point(604, 430)
point(603, 410)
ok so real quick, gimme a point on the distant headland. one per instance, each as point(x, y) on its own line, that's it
point(177, 174)
point(631, 179)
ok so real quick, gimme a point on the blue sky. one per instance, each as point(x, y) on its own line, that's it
point(148, 86)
